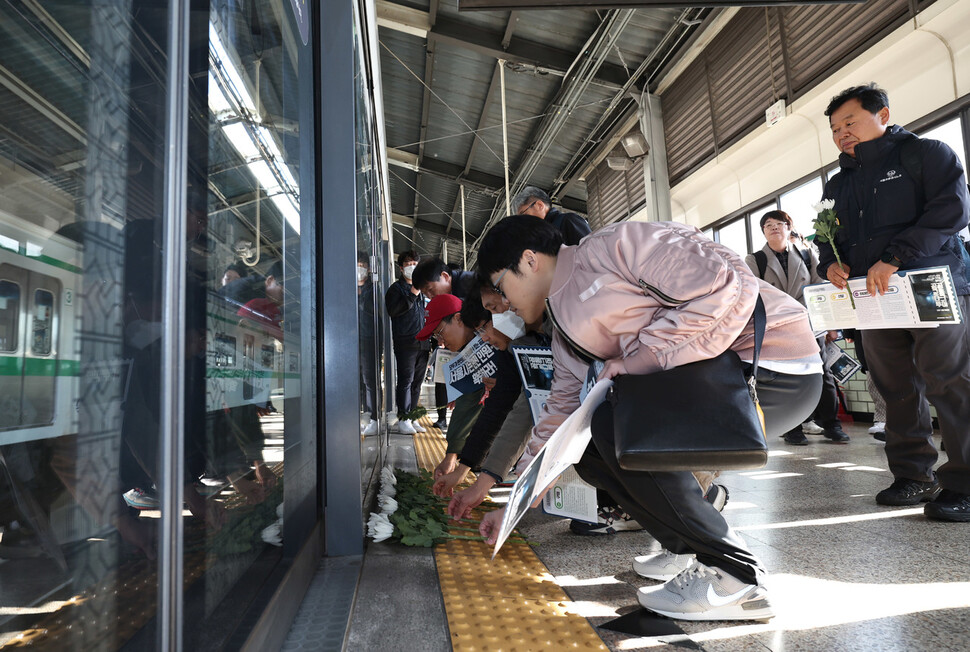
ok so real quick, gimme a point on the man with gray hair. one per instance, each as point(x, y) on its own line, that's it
point(534, 201)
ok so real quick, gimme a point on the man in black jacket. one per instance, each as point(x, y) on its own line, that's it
point(406, 310)
point(534, 201)
point(901, 201)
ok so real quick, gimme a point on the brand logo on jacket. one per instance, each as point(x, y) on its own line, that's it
point(890, 176)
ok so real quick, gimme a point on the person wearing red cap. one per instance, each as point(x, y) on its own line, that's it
point(443, 322)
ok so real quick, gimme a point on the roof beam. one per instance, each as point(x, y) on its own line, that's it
point(500, 45)
point(530, 53)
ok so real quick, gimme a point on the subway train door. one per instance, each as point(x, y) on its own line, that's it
point(40, 352)
point(13, 288)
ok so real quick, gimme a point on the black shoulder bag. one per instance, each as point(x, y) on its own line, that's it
point(701, 415)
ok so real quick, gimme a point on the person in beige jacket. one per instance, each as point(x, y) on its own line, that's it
point(639, 298)
point(786, 266)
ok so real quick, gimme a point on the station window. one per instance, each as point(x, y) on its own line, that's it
point(9, 315)
point(734, 237)
point(798, 204)
point(43, 316)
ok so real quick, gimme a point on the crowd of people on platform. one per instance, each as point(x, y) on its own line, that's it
point(636, 298)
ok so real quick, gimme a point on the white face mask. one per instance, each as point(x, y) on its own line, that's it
point(361, 273)
point(409, 270)
point(509, 324)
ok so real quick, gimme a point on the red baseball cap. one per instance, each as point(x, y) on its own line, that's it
point(440, 307)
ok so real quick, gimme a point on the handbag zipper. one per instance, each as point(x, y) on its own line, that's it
point(568, 339)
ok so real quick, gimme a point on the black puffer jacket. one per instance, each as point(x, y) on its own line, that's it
point(882, 207)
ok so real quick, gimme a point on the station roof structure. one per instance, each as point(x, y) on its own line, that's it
point(573, 77)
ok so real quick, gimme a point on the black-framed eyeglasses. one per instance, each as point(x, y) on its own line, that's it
point(497, 284)
point(436, 334)
point(522, 211)
point(480, 330)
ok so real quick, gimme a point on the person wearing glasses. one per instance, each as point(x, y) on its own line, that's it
point(534, 201)
point(639, 298)
point(443, 323)
point(504, 388)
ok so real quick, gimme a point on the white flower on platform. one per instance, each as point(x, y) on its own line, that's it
point(272, 535)
point(824, 205)
point(387, 476)
point(379, 527)
point(388, 504)
point(387, 490)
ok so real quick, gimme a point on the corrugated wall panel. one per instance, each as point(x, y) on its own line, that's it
point(688, 127)
point(819, 37)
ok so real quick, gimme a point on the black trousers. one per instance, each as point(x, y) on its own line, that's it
point(412, 363)
point(441, 400)
point(908, 364)
point(670, 505)
point(368, 374)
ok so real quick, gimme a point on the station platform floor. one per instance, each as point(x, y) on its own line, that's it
point(845, 574)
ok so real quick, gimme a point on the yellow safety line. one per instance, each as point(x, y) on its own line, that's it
point(509, 603)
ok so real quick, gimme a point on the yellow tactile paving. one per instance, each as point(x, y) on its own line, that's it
point(509, 603)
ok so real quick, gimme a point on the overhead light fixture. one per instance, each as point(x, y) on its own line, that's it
point(619, 163)
point(634, 144)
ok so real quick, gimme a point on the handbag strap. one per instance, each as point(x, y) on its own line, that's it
point(760, 322)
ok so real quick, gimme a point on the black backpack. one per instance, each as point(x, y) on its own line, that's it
point(761, 258)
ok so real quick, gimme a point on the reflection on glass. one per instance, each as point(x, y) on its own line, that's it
point(798, 204)
point(758, 240)
point(733, 236)
point(80, 223)
point(369, 296)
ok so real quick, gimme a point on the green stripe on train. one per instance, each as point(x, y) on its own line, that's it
point(14, 366)
point(47, 260)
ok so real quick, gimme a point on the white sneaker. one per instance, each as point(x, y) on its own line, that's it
point(417, 426)
point(705, 593)
point(663, 566)
point(878, 426)
point(371, 429)
point(405, 428)
point(812, 428)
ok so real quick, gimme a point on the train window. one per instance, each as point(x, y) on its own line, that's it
point(224, 351)
point(40, 330)
point(9, 315)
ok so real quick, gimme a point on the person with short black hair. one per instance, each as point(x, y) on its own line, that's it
point(790, 268)
point(536, 202)
point(902, 201)
point(435, 276)
point(405, 307)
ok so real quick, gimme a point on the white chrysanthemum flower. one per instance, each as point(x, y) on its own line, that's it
point(272, 535)
point(387, 490)
point(379, 527)
point(388, 505)
point(387, 476)
point(824, 205)
point(279, 511)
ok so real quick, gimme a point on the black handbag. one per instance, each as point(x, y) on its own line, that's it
point(700, 416)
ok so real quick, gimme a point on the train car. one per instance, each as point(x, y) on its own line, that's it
point(39, 312)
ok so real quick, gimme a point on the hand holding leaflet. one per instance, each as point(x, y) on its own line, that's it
point(917, 298)
point(564, 448)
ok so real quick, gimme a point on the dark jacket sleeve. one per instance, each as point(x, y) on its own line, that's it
point(497, 406)
point(945, 208)
point(574, 228)
point(398, 300)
